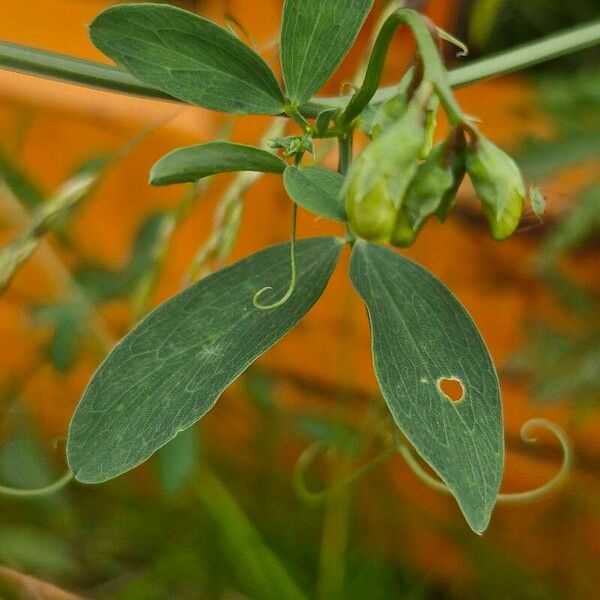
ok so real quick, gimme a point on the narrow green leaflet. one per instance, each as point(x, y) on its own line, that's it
point(46, 217)
point(188, 57)
point(315, 38)
point(67, 320)
point(421, 336)
point(171, 369)
point(19, 183)
point(316, 189)
point(192, 163)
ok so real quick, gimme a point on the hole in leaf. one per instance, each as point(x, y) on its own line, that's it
point(451, 388)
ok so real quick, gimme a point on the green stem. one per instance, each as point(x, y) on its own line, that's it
point(334, 540)
point(433, 66)
point(523, 56)
point(24, 59)
point(293, 113)
point(254, 564)
point(345, 145)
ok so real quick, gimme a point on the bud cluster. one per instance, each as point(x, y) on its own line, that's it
point(401, 179)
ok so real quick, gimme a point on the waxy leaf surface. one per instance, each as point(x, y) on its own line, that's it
point(316, 189)
point(171, 369)
point(315, 37)
point(195, 162)
point(420, 336)
point(189, 57)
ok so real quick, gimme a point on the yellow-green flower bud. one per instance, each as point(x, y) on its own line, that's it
point(388, 114)
point(499, 186)
point(405, 232)
point(378, 179)
point(458, 169)
point(431, 115)
point(433, 186)
point(372, 215)
point(433, 180)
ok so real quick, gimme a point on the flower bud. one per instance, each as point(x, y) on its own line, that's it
point(294, 144)
point(433, 180)
point(405, 232)
point(388, 114)
point(372, 215)
point(378, 179)
point(431, 115)
point(499, 186)
point(458, 168)
point(432, 188)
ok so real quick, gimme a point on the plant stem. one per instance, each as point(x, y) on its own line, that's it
point(430, 59)
point(345, 145)
point(523, 56)
point(15, 57)
point(24, 59)
point(334, 540)
point(257, 567)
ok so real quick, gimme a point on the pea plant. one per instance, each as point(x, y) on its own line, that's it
point(170, 370)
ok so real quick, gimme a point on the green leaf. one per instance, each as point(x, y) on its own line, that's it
point(188, 57)
point(323, 119)
point(171, 369)
point(316, 189)
point(19, 184)
point(100, 284)
point(421, 336)
point(192, 163)
point(315, 38)
point(68, 322)
point(143, 253)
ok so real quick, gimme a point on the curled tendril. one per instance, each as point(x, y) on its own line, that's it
point(518, 497)
point(306, 460)
point(447, 37)
point(309, 455)
point(293, 269)
point(58, 485)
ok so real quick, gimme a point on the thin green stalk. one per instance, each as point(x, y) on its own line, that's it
point(255, 565)
point(23, 59)
point(345, 145)
point(433, 67)
point(51, 65)
point(334, 539)
point(521, 57)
